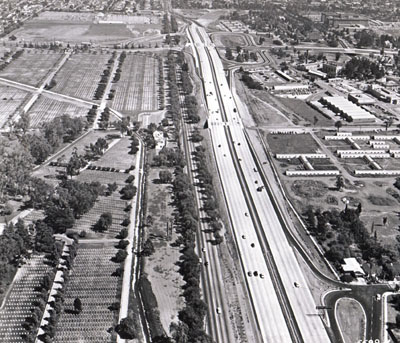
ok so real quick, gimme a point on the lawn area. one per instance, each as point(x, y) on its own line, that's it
point(351, 320)
point(160, 267)
point(291, 144)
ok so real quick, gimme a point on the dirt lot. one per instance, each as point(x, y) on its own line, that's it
point(262, 112)
point(351, 320)
point(296, 110)
point(161, 269)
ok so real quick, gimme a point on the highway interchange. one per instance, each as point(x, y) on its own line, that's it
point(282, 301)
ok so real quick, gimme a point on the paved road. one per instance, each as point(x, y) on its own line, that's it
point(300, 299)
point(272, 323)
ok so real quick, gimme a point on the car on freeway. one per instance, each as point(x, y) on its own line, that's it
point(255, 273)
point(246, 214)
point(296, 285)
point(203, 249)
point(256, 182)
point(206, 263)
point(249, 273)
point(262, 276)
point(219, 310)
point(200, 260)
point(252, 245)
point(243, 236)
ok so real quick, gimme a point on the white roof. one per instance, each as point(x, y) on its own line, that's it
point(351, 265)
point(351, 109)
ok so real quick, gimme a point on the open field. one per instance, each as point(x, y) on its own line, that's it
point(229, 40)
point(160, 267)
point(137, 89)
point(18, 304)
point(90, 281)
point(46, 109)
point(31, 67)
point(80, 75)
point(87, 27)
point(289, 144)
point(11, 99)
point(351, 320)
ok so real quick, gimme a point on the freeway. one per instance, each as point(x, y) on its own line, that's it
point(261, 241)
point(273, 325)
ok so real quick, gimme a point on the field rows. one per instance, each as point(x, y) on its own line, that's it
point(91, 281)
point(137, 88)
point(31, 68)
point(80, 75)
point(18, 305)
point(46, 109)
point(10, 100)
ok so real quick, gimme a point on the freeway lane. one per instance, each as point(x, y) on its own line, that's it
point(300, 298)
point(271, 321)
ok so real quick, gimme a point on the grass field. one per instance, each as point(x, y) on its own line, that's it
point(31, 67)
point(290, 144)
point(46, 109)
point(351, 320)
point(137, 89)
point(229, 40)
point(11, 99)
point(81, 74)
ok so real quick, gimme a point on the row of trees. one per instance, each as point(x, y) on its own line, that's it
point(121, 60)
point(205, 182)
point(250, 82)
point(101, 87)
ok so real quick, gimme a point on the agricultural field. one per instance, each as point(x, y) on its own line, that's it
point(92, 282)
point(46, 109)
point(11, 100)
point(80, 75)
point(18, 303)
point(31, 67)
point(136, 91)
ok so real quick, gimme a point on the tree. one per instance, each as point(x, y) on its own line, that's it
point(165, 176)
point(126, 328)
point(148, 248)
point(104, 223)
point(339, 182)
point(338, 125)
point(120, 256)
point(75, 163)
point(77, 305)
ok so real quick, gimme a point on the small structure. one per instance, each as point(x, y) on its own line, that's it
point(351, 265)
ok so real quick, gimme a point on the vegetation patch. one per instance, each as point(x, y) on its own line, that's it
point(380, 201)
point(309, 189)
